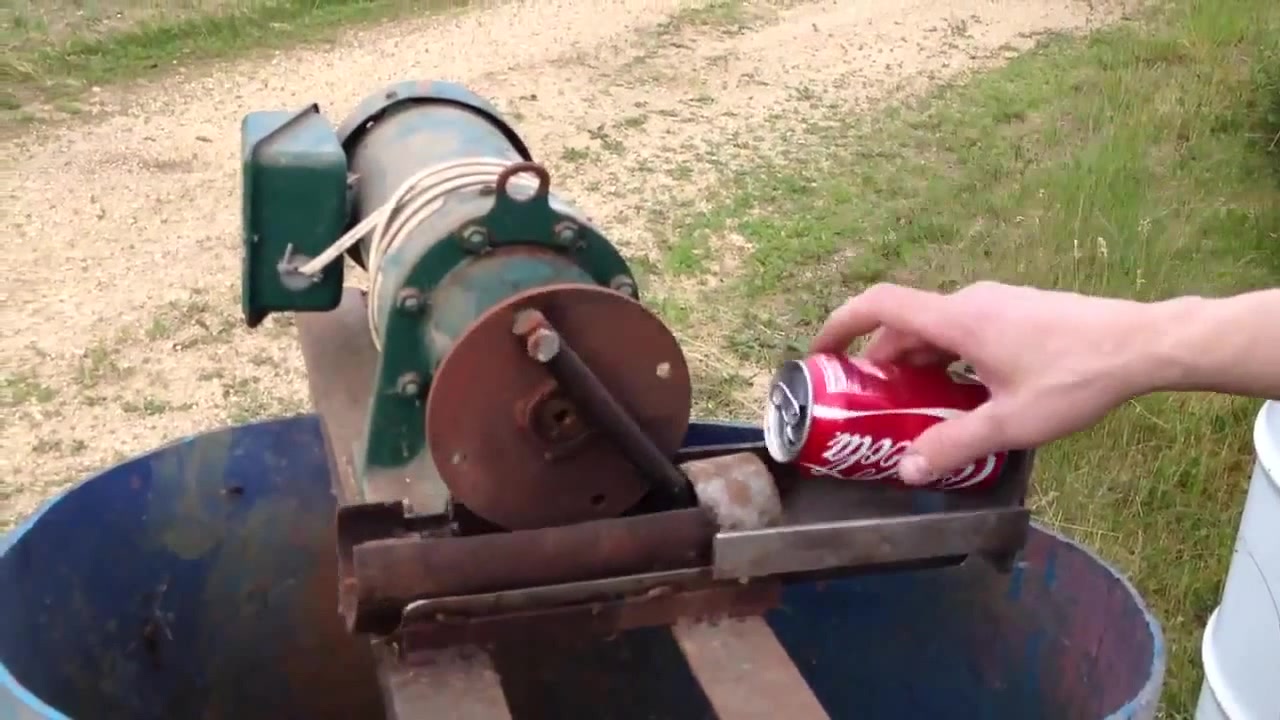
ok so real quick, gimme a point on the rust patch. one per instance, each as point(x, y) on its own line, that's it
point(389, 574)
point(737, 490)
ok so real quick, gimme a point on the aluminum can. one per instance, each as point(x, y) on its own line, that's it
point(830, 415)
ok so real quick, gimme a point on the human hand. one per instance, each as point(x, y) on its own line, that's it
point(1055, 362)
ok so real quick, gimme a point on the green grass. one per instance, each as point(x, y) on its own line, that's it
point(54, 50)
point(1141, 162)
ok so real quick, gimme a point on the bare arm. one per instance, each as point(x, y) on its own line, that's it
point(1226, 345)
point(1057, 362)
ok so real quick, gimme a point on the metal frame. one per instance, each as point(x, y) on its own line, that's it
point(744, 672)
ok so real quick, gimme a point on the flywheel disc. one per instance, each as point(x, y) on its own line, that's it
point(508, 441)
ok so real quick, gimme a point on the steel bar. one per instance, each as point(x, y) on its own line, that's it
point(804, 547)
point(448, 684)
point(745, 672)
point(391, 573)
point(508, 601)
point(593, 621)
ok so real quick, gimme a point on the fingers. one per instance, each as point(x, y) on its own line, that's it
point(907, 310)
point(952, 444)
point(888, 345)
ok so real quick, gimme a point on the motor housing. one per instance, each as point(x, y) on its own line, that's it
point(435, 195)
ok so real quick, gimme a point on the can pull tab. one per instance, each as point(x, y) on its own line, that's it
point(788, 406)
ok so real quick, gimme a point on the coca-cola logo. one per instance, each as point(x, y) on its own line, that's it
point(862, 456)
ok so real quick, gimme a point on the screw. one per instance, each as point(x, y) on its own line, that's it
point(567, 234)
point(410, 300)
point(624, 285)
point(476, 238)
point(409, 385)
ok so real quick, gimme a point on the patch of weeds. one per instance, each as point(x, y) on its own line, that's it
point(725, 17)
point(687, 255)
point(24, 388)
point(56, 50)
point(608, 143)
point(247, 400)
point(53, 446)
point(150, 406)
point(676, 312)
point(575, 155)
point(99, 364)
point(718, 394)
point(192, 322)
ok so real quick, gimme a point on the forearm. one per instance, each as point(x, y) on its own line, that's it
point(1226, 345)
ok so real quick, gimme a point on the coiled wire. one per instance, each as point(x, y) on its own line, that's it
point(416, 200)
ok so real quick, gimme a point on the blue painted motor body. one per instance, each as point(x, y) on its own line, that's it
point(198, 581)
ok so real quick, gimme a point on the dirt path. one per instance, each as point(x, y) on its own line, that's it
point(119, 311)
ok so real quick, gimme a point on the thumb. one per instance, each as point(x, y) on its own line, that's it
point(953, 444)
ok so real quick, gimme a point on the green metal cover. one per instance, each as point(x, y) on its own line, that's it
point(294, 206)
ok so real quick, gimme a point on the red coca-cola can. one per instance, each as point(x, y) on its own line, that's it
point(836, 416)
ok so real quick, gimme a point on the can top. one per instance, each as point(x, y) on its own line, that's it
point(787, 415)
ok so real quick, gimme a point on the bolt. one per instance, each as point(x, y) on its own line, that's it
point(543, 344)
point(526, 321)
point(476, 238)
point(410, 300)
point(624, 285)
point(409, 385)
point(567, 234)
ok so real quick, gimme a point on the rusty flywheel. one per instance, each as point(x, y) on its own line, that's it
point(510, 441)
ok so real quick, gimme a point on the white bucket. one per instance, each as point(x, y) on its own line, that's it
point(1241, 648)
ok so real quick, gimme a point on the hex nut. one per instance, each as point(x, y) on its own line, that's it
point(410, 300)
point(624, 285)
point(409, 385)
point(476, 238)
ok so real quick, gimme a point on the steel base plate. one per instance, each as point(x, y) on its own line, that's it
point(510, 444)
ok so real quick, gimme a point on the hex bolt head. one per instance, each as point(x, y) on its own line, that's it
point(410, 300)
point(624, 285)
point(567, 234)
point(476, 239)
point(409, 385)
